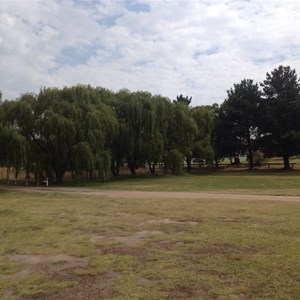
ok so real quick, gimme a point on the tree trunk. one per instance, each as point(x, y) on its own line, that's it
point(131, 166)
point(59, 174)
point(151, 167)
point(27, 176)
point(286, 161)
point(250, 152)
point(7, 173)
point(250, 159)
point(237, 160)
point(188, 162)
point(115, 167)
point(216, 163)
point(59, 177)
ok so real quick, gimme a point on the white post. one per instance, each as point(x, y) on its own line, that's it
point(46, 182)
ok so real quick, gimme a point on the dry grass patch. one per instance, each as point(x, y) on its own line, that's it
point(56, 246)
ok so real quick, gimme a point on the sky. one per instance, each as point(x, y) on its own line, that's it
point(197, 48)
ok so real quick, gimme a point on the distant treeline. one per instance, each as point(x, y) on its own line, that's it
point(93, 131)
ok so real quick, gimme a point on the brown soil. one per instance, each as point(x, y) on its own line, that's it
point(131, 240)
point(87, 288)
point(46, 263)
point(169, 221)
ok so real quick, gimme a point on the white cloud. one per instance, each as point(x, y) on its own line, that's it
point(197, 48)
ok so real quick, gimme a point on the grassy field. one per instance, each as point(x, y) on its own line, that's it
point(59, 246)
point(275, 183)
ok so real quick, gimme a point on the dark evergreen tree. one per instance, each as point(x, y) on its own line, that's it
point(281, 109)
point(181, 99)
point(240, 113)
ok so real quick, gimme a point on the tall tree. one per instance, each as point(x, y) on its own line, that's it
point(70, 128)
point(241, 110)
point(225, 143)
point(155, 118)
point(127, 145)
point(282, 108)
point(140, 138)
point(12, 143)
point(185, 100)
point(181, 130)
point(204, 117)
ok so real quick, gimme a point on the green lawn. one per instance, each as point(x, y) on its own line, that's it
point(56, 246)
point(231, 182)
point(293, 159)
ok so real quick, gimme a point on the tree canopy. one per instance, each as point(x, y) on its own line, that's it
point(281, 110)
point(91, 131)
point(240, 112)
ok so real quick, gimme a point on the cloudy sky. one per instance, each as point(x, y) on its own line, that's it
point(197, 48)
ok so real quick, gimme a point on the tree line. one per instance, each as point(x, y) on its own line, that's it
point(92, 132)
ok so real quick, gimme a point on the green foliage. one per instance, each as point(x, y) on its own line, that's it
point(258, 158)
point(69, 128)
point(181, 129)
point(13, 149)
point(184, 100)
point(282, 108)
point(103, 163)
point(205, 120)
point(240, 116)
point(89, 130)
point(174, 160)
point(82, 159)
point(142, 135)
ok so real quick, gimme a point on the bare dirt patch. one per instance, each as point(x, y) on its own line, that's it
point(144, 282)
point(220, 249)
point(132, 251)
point(169, 221)
point(87, 288)
point(46, 259)
point(130, 240)
point(47, 263)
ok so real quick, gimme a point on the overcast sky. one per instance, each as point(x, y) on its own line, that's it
point(198, 48)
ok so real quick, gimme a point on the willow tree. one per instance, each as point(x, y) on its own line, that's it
point(134, 112)
point(72, 127)
point(99, 126)
point(155, 139)
point(142, 127)
point(22, 115)
point(202, 146)
point(12, 143)
point(13, 149)
point(181, 130)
